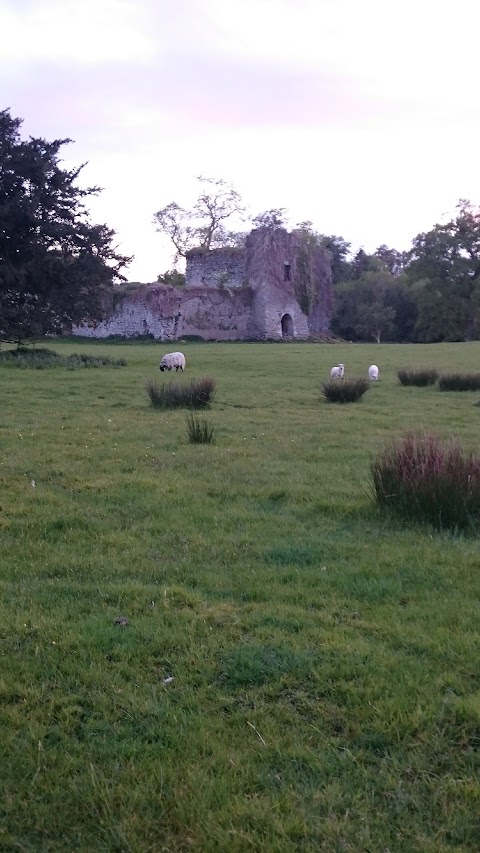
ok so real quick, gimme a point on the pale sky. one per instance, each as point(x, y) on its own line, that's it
point(362, 116)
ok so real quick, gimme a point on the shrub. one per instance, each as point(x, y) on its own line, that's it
point(420, 377)
point(82, 360)
point(459, 382)
point(423, 480)
point(42, 357)
point(345, 390)
point(172, 395)
point(200, 431)
point(40, 352)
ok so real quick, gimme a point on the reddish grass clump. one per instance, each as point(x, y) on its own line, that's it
point(424, 480)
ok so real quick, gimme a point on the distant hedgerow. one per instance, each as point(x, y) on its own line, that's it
point(420, 376)
point(174, 395)
point(200, 431)
point(41, 358)
point(423, 480)
point(459, 382)
point(344, 390)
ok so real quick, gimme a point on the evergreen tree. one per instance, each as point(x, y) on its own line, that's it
point(55, 265)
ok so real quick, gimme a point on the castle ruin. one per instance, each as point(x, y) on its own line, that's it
point(277, 286)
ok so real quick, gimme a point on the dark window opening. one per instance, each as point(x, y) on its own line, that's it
point(286, 272)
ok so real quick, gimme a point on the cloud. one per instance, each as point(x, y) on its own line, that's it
point(110, 67)
point(87, 32)
point(360, 116)
point(120, 103)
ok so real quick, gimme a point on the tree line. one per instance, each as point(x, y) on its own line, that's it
point(57, 267)
point(428, 294)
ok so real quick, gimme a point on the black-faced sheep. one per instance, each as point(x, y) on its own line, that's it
point(173, 361)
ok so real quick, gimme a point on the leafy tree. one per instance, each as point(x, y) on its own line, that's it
point(362, 308)
point(174, 278)
point(55, 266)
point(444, 266)
point(204, 225)
point(389, 259)
point(346, 269)
point(363, 263)
point(372, 300)
point(376, 316)
point(401, 299)
point(339, 251)
point(442, 313)
point(274, 218)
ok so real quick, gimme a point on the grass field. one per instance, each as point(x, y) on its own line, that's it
point(297, 673)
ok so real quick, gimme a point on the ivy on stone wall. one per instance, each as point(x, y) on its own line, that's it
point(303, 280)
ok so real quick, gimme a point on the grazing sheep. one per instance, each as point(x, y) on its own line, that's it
point(173, 361)
point(337, 372)
point(373, 372)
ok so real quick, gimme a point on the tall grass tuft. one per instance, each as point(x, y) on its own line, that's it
point(200, 431)
point(172, 395)
point(459, 382)
point(423, 480)
point(41, 358)
point(345, 390)
point(421, 376)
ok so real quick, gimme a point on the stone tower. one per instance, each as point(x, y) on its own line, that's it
point(288, 275)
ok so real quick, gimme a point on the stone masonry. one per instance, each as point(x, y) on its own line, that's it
point(278, 286)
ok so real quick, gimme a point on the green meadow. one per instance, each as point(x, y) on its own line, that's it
point(226, 648)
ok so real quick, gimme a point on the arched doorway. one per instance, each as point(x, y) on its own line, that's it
point(287, 326)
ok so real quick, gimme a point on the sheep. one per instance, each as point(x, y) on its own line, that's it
point(337, 372)
point(373, 372)
point(173, 360)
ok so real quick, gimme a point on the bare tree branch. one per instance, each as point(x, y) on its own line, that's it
point(202, 225)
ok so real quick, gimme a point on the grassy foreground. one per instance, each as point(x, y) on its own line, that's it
point(296, 673)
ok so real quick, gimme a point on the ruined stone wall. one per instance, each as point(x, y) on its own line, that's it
point(278, 286)
point(269, 306)
point(218, 268)
point(169, 313)
point(152, 309)
point(216, 315)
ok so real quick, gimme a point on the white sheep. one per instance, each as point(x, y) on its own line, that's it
point(173, 361)
point(373, 372)
point(337, 372)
